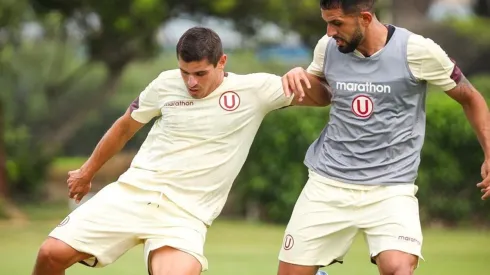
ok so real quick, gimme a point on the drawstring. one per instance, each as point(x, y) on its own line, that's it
point(159, 199)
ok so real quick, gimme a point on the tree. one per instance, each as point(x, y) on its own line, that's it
point(482, 8)
point(3, 157)
point(112, 35)
point(46, 82)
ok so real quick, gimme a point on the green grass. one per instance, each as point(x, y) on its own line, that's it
point(241, 248)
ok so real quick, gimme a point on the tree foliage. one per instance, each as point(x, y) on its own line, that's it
point(55, 84)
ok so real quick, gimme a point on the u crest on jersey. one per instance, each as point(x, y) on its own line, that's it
point(229, 101)
point(362, 106)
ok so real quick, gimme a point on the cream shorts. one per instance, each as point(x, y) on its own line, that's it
point(328, 215)
point(121, 216)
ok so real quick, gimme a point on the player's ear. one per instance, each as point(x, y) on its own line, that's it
point(222, 62)
point(366, 18)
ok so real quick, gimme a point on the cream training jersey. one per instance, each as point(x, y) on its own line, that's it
point(196, 147)
point(426, 61)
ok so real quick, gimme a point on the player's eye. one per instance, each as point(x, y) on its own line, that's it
point(201, 73)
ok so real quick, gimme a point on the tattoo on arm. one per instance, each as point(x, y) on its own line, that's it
point(465, 85)
point(462, 91)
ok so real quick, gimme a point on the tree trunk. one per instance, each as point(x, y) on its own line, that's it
point(65, 129)
point(9, 208)
point(3, 157)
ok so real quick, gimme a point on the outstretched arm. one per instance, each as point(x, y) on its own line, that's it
point(429, 62)
point(140, 112)
point(111, 143)
point(476, 110)
point(79, 181)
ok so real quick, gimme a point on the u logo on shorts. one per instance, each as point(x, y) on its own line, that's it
point(288, 242)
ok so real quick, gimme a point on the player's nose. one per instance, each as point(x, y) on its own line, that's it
point(331, 31)
point(191, 81)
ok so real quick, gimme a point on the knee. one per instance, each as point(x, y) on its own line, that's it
point(398, 268)
point(394, 262)
point(50, 256)
point(292, 269)
point(169, 260)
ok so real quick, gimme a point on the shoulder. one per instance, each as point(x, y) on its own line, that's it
point(420, 47)
point(428, 61)
point(168, 77)
point(254, 80)
point(322, 44)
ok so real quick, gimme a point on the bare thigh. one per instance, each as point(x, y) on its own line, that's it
point(171, 261)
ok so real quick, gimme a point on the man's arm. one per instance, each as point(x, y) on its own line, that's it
point(476, 110)
point(429, 62)
point(315, 91)
point(111, 143)
point(79, 181)
point(143, 109)
point(140, 112)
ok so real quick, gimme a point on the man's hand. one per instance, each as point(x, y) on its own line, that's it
point(485, 183)
point(291, 83)
point(78, 185)
point(486, 193)
point(308, 89)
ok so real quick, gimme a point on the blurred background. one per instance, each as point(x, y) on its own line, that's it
point(69, 69)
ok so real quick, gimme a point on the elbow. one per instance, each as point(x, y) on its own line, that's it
point(475, 102)
point(122, 128)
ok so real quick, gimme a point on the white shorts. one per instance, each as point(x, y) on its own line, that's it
point(121, 216)
point(329, 214)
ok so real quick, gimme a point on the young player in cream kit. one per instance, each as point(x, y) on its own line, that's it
point(363, 166)
point(179, 180)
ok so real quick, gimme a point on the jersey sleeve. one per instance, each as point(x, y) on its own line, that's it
point(271, 93)
point(429, 62)
point(316, 66)
point(146, 106)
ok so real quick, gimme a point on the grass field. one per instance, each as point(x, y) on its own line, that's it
point(238, 248)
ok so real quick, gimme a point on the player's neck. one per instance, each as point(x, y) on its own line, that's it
point(374, 39)
point(218, 82)
point(221, 78)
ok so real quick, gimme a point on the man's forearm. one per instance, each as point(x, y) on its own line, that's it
point(111, 143)
point(320, 93)
point(317, 95)
point(477, 112)
point(479, 118)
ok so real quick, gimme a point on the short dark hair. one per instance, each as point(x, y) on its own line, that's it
point(199, 43)
point(348, 6)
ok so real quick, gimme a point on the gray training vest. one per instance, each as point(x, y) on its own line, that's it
point(377, 117)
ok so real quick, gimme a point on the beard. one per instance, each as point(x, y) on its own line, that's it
point(354, 42)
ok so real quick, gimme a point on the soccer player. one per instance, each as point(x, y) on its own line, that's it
point(179, 180)
point(363, 166)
